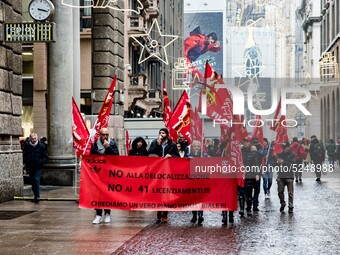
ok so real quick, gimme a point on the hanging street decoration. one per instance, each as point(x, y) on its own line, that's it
point(182, 75)
point(153, 46)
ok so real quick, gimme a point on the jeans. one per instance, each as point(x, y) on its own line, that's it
point(35, 176)
point(257, 190)
point(267, 182)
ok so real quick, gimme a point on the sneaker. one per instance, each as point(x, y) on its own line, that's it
point(249, 213)
point(107, 218)
point(282, 208)
point(256, 209)
point(266, 196)
point(165, 219)
point(317, 179)
point(290, 210)
point(98, 219)
point(200, 220)
point(268, 193)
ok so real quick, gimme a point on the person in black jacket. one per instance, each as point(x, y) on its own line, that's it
point(139, 147)
point(286, 163)
point(317, 154)
point(104, 146)
point(35, 156)
point(163, 146)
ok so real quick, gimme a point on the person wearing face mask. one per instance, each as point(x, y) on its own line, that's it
point(35, 156)
point(163, 146)
point(139, 147)
point(104, 146)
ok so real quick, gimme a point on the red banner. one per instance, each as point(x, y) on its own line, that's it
point(152, 183)
point(104, 114)
point(80, 133)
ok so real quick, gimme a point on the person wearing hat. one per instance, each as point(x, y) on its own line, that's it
point(286, 161)
point(163, 146)
point(317, 154)
point(251, 163)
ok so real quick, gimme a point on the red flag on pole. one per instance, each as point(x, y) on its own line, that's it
point(258, 130)
point(281, 135)
point(219, 102)
point(196, 125)
point(234, 149)
point(104, 114)
point(180, 119)
point(127, 142)
point(80, 132)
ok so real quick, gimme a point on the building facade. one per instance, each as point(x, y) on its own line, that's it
point(329, 69)
point(11, 180)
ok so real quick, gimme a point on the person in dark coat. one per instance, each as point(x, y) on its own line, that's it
point(163, 146)
point(139, 147)
point(35, 156)
point(286, 163)
point(104, 146)
point(317, 154)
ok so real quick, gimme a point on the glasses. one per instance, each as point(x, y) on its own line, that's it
point(104, 134)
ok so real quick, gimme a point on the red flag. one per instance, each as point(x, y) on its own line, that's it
point(234, 149)
point(244, 132)
point(166, 107)
point(104, 114)
point(258, 130)
point(196, 125)
point(127, 142)
point(180, 119)
point(219, 102)
point(80, 133)
point(281, 135)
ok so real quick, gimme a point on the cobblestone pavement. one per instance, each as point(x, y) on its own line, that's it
point(61, 227)
point(312, 229)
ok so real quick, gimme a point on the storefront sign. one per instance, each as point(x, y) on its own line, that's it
point(29, 32)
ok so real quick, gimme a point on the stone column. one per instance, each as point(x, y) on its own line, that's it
point(11, 180)
point(108, 61)
point(76, 53)
point(60, 166)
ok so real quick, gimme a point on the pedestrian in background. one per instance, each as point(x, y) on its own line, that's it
point(307, 160)
point(285, 176)
point(257, 189)
point(300, 154)
point(35, 156)
point(139, 147)
point(104, 146)
point(267, 175)
point(163, 146)
point(317, 154)
point(331, 151)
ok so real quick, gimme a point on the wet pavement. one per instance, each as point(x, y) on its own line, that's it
point(57, 226)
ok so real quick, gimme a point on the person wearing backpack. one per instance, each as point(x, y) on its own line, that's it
point(317, 153)
point(331, 152)
point(300, 154)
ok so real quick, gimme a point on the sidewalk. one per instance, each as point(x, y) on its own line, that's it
point(58, 226)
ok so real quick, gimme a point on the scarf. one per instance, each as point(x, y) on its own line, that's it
point(101, 148)
point(34, 144)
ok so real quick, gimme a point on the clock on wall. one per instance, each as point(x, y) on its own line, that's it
point(41, 10)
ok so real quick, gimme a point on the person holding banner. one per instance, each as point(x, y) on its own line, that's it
point(163, 146)
point(139, 147)
point(104, 146)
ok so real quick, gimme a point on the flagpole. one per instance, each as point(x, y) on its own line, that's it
point(202, 139)
point(90, 137)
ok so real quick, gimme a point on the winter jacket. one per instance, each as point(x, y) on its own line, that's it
point(313, 150)
point(288, 167)
point(111, 150)
point(251, 162)
point(35, 156)
point(157, 149)
point(142, 151)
